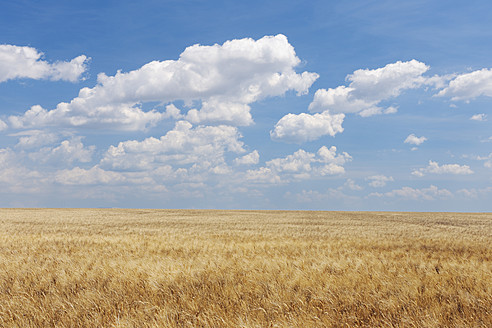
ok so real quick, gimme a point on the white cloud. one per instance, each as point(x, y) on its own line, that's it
point(414, 140)
point(329, 155)
point(368, 88)
point(26, 62)
point(468, 193)
point(225, 79)
point(469, 85)
point(350, 184)
point(202, 147)
point(15, 177)
point(306, 127)
point(387, 82)
point(34, 138)
point(434, 167)
point(20, 179)
point(418, 173)
point(67, 152)
point(184, 156)
point(119, 116)
point(263, 175)
point(430, 193)
point(479, 117)
point(301, 165)
point(7, 155)
point(172, 112)
point(248, 159)
point(298, 162)
point(378, 181)
point(390, 110)
point(19, 175)
point(371, 111)
point(474, 193)
point(3, 125)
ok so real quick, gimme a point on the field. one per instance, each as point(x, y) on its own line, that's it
point(197, 268)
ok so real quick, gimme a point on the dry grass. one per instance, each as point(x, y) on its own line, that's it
point(170, 268)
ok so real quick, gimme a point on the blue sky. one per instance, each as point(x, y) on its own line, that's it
point(360, 105)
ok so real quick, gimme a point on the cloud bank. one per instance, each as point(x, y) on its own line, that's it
point(221, 81)
point(207, 93)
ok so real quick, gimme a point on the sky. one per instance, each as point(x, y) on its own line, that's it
point(319, 105)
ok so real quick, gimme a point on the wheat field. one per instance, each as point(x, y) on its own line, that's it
point(211, 268)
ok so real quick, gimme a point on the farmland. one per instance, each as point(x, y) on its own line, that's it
point(213, 268)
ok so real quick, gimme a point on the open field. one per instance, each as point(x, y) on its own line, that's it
point(194, 268)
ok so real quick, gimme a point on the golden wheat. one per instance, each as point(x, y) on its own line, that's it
point(190, 268)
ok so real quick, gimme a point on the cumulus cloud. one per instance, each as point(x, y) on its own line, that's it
point(371, 111)
point(248, 159)
point(435, 168)
point(94, 175)
point(378, 181)
point(6, 156)
point(202, 147)
point(368, 88)
point(301, 165)
point(414, 140)
point(41, 147)
point(474, 192)
point(26, 62)
point(17, 173)
point(350, 184)
point(34, 138)
point(223, 79)
point(119, 116)
point(469, 85)
point(479, 117)
point(306, 127)
point(297, 163)
point(69, 151)
point(15, 177)
point(430, 193)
